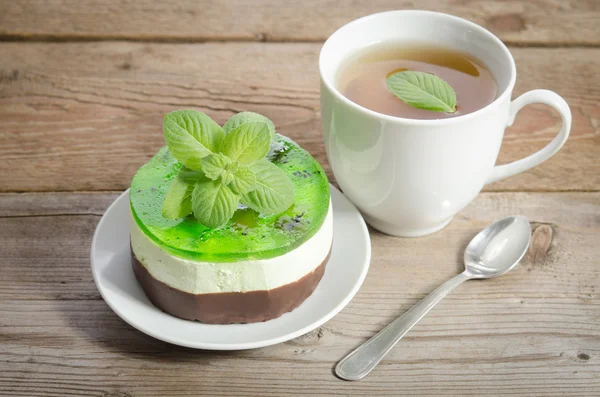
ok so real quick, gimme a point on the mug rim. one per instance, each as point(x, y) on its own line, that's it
point(469, 24)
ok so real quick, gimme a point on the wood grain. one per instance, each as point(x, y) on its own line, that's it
point(85, 116)
point(533, 332)
point(539, 22)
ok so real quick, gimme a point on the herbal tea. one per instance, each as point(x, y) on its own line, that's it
point(369, 79)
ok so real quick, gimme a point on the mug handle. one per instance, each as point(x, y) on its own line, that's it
point(536, 96)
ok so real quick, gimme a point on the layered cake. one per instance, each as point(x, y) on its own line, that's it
point(229, 224)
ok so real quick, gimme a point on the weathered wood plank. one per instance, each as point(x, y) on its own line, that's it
point(534, 332)
point(546, 22)
point(18, 205)
point(85, 116)
point(46, 248)
point(106, 357)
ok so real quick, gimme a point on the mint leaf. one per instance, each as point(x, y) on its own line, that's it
point(247, 117)
point(213, 203)
point(422, 91)
point(200, 126)
point(243, 181)
point(247, 143)
point(178, 201)
point(214, 165)
point(190, 136)
point(273, 192)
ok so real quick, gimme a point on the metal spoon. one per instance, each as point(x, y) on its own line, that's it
point(493, 252)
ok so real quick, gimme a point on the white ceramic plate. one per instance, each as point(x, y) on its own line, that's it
point(344, 274)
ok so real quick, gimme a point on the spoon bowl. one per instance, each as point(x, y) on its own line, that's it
point(498, 248)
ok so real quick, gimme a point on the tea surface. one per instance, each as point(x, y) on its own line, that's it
point(363, 78)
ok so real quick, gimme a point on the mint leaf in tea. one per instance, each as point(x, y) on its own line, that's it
point(422, 91)
point(416, 81)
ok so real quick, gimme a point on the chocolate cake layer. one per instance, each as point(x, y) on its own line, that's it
point(228, 307)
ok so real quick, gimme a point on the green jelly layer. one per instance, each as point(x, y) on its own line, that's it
point(248, 235)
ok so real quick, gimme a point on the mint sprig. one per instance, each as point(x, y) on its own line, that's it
point(422, 91)
point(223, 167)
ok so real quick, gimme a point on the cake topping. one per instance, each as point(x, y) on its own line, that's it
point(223, 167)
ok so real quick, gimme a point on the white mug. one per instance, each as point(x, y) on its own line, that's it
point(410, 177)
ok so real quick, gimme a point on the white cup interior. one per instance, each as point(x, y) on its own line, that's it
point(419, 27)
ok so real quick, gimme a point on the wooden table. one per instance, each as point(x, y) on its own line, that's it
point(83, 89)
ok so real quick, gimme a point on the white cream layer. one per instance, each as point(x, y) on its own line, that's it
point(198, 277)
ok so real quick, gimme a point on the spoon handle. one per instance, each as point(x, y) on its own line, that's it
point(361, 361)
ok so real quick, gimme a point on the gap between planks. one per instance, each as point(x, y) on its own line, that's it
point(333, 182)
point(258, 39)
